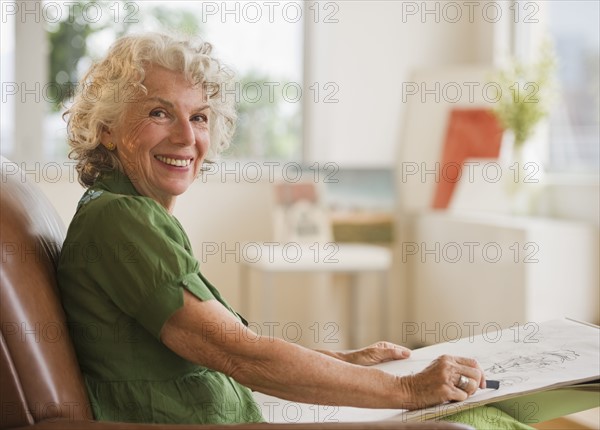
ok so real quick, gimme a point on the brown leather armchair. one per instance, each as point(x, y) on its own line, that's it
point(41, 384)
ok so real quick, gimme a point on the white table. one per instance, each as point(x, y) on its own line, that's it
point(270, 258)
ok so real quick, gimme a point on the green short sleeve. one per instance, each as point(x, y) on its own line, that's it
point(122, 272)
point(139, 256)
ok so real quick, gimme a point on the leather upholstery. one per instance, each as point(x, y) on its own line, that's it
point(14, 406)
point(41, 385)
point(33, 323)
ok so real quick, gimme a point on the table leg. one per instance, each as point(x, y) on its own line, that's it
point(244, 293)
point(268, 299)
point(383, 311)
point(353, 312)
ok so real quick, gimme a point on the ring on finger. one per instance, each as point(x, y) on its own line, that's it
point(463, 382)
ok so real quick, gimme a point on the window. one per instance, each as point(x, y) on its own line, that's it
point(262, 43)
point(268, 60)
point(574, 141)
point(7, 76)
point(572, 27)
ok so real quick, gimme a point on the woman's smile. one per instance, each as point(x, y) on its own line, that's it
point(174, 161)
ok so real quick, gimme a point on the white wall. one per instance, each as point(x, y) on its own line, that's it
point(30, 74)
point(369, 54)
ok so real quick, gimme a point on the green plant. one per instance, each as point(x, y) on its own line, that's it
point(525, 93)
point(69, 39)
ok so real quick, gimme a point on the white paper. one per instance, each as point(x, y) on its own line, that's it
point(527, 358)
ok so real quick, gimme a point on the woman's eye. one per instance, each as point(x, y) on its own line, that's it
point(158, 114)
point(200, 118)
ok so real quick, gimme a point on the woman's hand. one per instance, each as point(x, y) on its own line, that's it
point(440, 382)
point(379, 352)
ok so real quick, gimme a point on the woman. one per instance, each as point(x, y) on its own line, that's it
point(155, 340)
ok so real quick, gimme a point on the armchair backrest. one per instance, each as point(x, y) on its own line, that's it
point(40, 376)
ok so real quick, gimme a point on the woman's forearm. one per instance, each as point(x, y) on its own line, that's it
point(206, 333)
point(299, 374)
point(335, 354)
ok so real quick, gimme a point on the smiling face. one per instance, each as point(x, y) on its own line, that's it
point(163, 137)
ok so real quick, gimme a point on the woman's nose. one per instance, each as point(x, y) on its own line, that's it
point(182, 133)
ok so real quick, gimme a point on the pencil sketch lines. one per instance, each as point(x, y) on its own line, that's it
point(538, 362)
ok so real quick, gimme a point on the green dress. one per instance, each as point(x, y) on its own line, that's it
point(122, 273)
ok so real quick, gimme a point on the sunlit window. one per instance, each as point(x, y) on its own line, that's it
point(262, 44)
point(574, 126)
point(7, 77)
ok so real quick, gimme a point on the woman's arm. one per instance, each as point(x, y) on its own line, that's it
point(208, 334)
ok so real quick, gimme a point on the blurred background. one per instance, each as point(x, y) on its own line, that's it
point(379, 106)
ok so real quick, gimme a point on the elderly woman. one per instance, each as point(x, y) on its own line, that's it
point(155, 340)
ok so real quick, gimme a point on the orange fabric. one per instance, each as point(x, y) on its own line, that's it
point(471, 133)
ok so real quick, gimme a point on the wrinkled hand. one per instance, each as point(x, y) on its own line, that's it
point(379, 352)
point(438, 382)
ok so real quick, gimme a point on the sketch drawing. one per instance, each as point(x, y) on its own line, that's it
point(542, 361)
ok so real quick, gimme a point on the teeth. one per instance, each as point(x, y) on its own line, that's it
point(174, 161)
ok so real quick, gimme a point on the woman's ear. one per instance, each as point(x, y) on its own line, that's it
point(106, 139)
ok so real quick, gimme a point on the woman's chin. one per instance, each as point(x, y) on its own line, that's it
point(176, 188)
